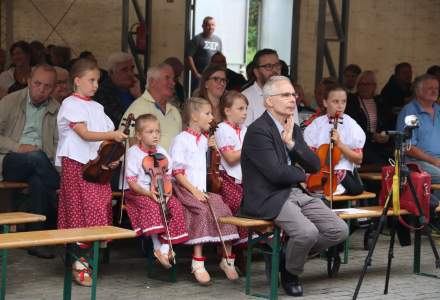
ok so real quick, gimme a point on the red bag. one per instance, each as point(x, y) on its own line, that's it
point(422, 185)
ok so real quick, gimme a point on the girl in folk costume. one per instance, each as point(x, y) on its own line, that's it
point(188, 151)
point(229, 139)
point(143, 206)
point(82, 125)
point(349, 138)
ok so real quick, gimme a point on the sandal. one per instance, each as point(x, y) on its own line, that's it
point(163, 259)
point(81, 273)
point(199, 271)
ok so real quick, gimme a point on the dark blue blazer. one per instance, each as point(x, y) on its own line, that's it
point(267, 178)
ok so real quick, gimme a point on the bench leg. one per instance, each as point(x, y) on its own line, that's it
point(67, 294)
point(4, 267)
point(250, 246)
point(275, 264)
point(95, 263)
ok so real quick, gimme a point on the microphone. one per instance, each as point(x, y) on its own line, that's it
point(411, 121)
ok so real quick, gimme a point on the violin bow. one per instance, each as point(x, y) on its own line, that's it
point(331, 172)
point(121, 209)
point(124, 169)
point(219, 231)
point(161, 192)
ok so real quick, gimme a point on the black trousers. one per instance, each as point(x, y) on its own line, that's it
point(36, 169)
point(352, 184)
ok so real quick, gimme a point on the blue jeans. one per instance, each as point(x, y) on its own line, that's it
point(36, 169)
point(430, 168)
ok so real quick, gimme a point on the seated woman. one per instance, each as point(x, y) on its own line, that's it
point(212, 87)
point(365, 108)
point(15, 78)
point(348, 137)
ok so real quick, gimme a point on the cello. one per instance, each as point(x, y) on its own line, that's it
point(329, 156)
point(97, 170)
point(156, 165)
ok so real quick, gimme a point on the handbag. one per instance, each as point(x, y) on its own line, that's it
point(422, 185)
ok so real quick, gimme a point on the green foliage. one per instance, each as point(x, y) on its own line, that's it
point(254, 14)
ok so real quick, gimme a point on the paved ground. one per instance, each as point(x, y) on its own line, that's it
point(125, 277)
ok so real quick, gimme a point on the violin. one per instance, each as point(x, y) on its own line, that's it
point(97, 170)
point(214, 181)
point(329, 156)
point(156, 165)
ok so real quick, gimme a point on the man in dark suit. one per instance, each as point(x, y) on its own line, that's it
point(274, 160)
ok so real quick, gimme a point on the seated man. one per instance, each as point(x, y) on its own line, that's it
point(425, 141)
point(156, 100)
point(120, 88)
point(272, 150)
point(28, 142)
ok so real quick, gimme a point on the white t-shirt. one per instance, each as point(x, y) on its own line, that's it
point(188, 152)
point(350, 133)
point(134, 170)
point(256, 107)
point(76, 110)
point(230, 138)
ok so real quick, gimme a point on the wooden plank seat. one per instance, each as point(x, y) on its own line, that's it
point(65, 237)
point(116, 194)
point(13, 185)
point(363, 196)
point(373, 176)
point(435, 186)
point(14, 218)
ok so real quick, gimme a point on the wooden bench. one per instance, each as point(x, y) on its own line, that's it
point(363, 196)
point(6, 220)
point(13, 185)
point(373, 176)
point(435, 186)
point(266, 228)
point(62, 237)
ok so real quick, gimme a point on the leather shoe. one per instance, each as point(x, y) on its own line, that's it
point(42, 252)
point(291, 284)
point(293, 288)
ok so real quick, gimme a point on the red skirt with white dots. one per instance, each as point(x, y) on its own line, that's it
point(82, 203)
point(232, 194)
point(146, 218)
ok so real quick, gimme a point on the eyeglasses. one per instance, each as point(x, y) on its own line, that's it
point(219, 79)
point(286, 95)
point(270, 67)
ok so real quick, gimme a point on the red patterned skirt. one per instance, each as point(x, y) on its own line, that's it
point(232, 194)
point(146, 217)
point(82, 203)
point(199, 220)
